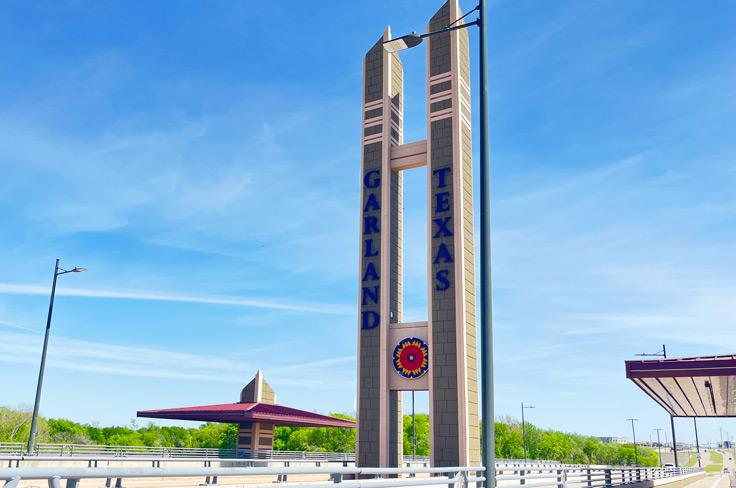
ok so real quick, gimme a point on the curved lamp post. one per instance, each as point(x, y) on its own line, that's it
point(486, 319)
point(57, 272)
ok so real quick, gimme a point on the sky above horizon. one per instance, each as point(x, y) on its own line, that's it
point(203, 161)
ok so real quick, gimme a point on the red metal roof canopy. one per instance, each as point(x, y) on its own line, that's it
point(237, 413)
point(689, 387)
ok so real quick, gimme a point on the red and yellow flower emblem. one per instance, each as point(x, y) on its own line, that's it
point(411, 357)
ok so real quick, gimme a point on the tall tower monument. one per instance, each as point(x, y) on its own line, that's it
point(437, 355)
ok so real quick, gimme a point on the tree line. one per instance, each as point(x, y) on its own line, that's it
point(542, 444)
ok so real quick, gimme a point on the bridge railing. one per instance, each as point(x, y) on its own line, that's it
point(571, 476)
point(90, 450)
point(376, 477)
point(529, 476)
point(64, 450)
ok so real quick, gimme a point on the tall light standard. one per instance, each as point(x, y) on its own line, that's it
point(523, 426)
point(486, 318)
point(57, 272)
point(633, 432)
point(659, 445)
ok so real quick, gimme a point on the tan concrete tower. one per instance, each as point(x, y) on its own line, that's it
point(255, 436)
point(453, 393)
point(439, 354)
point(380, 433)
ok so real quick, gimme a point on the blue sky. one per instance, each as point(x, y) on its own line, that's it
point(202, 160)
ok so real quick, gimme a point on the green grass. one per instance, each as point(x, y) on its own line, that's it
point(716, 462)
point(692, 461)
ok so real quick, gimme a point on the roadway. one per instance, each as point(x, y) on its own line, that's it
point(717, 480)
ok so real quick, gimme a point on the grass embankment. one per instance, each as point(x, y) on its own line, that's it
point(716, 462)
point(692, 461)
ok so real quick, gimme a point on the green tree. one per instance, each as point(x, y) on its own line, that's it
point(422, 433)
point(63, 431)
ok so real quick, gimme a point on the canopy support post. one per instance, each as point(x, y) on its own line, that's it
point(674, 440)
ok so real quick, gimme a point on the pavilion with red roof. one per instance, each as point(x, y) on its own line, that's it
point(256, 413)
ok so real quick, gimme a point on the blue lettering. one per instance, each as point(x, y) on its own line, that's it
point(442, 201)
point(369, 251)
point(441, 174)
point(372, 183)
point(442, 253)
point(443, 281)
point(370, 272)
point(442, 229)
point(370, 225)
point(369, 320)
point(370, 294)
point(372, 203)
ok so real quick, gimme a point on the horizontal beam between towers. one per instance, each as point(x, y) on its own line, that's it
point(407, 156)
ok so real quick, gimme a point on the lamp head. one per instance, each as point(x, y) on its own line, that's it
point(404, 42)
point(78, 270)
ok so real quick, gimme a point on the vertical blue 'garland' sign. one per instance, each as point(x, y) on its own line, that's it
point(370, 274)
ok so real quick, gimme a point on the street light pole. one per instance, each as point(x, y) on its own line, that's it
point(486, 296)
point(633, 433)
point(413, 430)
point(523, 427)
point(486, 316)
point(34, 419)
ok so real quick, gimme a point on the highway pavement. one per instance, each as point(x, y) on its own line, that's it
point(718, 481)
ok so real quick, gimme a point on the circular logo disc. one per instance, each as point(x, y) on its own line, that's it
point(410, 357)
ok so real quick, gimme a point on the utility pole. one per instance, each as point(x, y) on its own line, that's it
point(633, 433)
point(659, 445)
point(697, 444)
point(523, 427)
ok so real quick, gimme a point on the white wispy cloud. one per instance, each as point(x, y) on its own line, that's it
point(151, 362)
point(13, 325)
point(309, 307)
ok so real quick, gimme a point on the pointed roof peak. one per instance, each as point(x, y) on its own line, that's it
point(387, 33)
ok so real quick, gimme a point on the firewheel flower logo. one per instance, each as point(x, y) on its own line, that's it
point(411, 357)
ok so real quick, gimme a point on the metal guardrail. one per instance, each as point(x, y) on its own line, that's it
point(354, 477)
point(87, 450)
point(529, 476)
point(94, 451)
point(16, 448)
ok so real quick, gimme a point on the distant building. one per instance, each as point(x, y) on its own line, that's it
point(614, 440)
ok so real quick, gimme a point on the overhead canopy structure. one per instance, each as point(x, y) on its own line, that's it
point(239, 413)
point(256, 414)
point(689, 387)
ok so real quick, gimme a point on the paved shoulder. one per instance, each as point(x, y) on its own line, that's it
point(719, 481)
